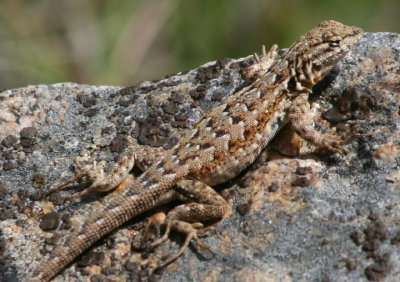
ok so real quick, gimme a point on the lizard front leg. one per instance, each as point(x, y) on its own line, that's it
point(261, 65)
point(137, 155)
point(302, 123)
point(204, 204)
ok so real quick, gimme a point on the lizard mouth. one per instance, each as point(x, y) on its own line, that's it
point(340, 50)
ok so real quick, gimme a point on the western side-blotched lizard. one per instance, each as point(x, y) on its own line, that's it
point(218, 147)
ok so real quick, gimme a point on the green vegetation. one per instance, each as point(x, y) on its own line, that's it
point(126, 41)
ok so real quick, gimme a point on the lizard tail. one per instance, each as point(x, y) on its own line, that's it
point(118, 211)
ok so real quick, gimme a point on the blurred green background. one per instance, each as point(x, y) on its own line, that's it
point(126, 41)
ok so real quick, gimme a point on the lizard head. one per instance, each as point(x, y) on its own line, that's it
point(321, 48)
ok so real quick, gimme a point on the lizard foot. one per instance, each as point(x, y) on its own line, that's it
point(92, 172)
point(191, 230)
point(336, 146)
point(260, 66)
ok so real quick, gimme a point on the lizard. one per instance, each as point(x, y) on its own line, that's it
point(219, 146)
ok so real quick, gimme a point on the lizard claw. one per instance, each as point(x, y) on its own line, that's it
point(344, 141)
point(261, 65)
point(336, 145)
point(191, 231)
point(256, 58)
point(91, 172)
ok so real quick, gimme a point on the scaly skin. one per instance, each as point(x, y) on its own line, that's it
point(223, 143)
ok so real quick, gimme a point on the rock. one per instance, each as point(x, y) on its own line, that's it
point(314, 230)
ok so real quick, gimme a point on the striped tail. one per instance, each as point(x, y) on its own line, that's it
point(134, 201)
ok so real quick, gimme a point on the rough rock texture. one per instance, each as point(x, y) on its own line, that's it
point(297, 214)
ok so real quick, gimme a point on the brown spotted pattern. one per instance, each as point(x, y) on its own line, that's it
point(220, 145)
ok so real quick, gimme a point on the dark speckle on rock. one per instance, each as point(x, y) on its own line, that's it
point(8, 155)
point(131, 266)
point(126, 91)
point(108, 270)
point(8, 165)
point(91, 112)
point(49, 221)
point(177, 97)
point(351, 265)
point(373, 215)
point(27, 150)
point(371, 245)
point(28, 132)
point(357, 237)
point(154, 135)
point(83, 125)
point(2, 190)
point(91, 258)
point(217, 96)
point(9, 141)
point(126, 101)
point(376, 272)
point(376, 231)
point(118, 144)
point(87, 100)
point(204, 87)
point(53, 240)
point(396, 239)
point(121, 129)
point(107, 130)
point(303, 170)
point(197, 94)
point(243, 209)
point(100, 278)
point(7, 214)
point(181, 121)
point(206, 73)
point(20, 223)
point(273, 187)
point(170, 108)
point(38, 180)
point(245, 182)
point(223, 62)
point(56, 198)
point(65, 222)
point(36, 196)
point(28, 135)
point(301, 182)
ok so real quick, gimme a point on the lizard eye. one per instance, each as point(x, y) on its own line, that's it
point(334, 43)
point(331, 39)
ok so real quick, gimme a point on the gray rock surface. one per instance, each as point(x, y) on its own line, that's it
point(298, 213)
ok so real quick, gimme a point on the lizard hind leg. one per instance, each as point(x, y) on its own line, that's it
point(205, 204)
